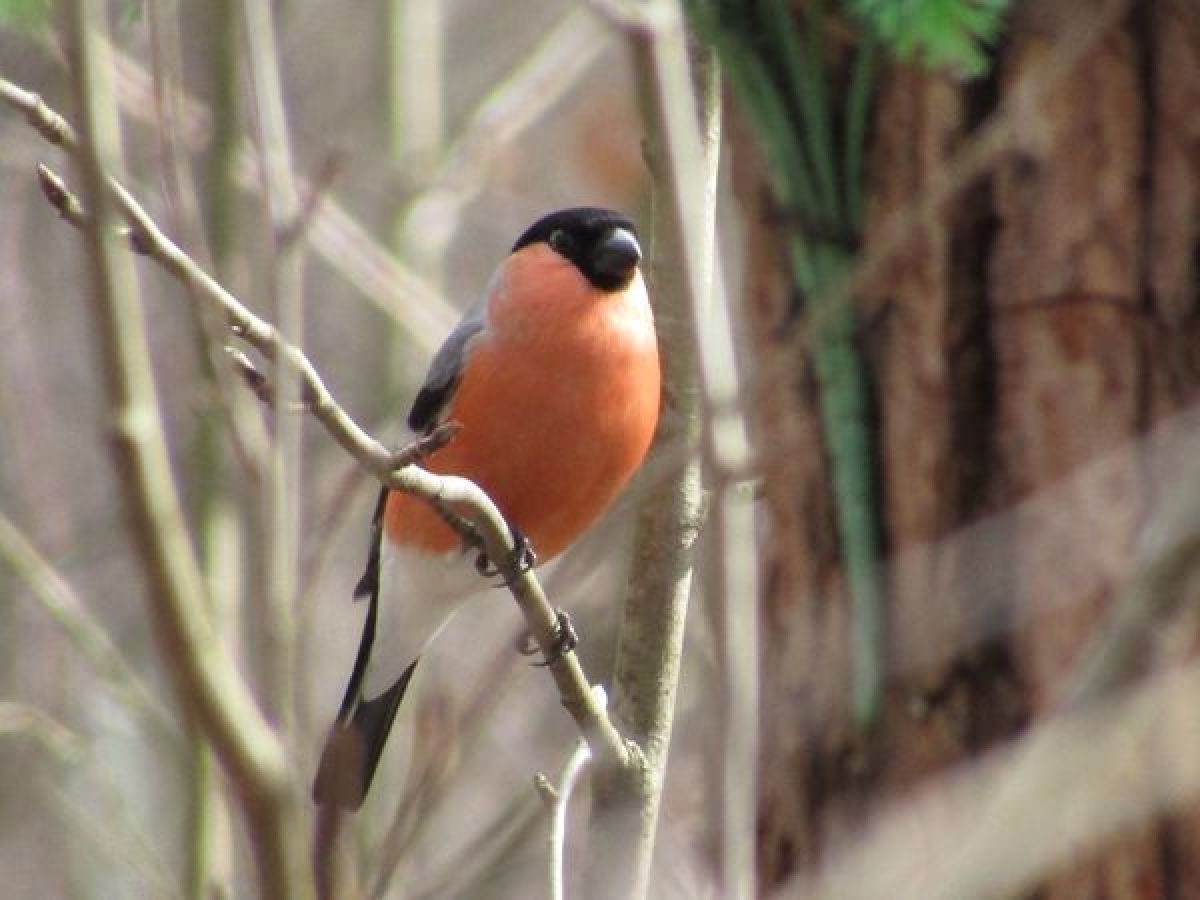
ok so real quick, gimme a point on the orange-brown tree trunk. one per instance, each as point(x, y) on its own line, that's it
point(1030, 329)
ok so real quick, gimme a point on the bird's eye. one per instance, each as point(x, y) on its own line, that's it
point(562, 242)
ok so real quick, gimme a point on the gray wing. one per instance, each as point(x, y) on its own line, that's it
point(442, 378)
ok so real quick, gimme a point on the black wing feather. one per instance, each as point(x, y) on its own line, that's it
point(368, 585)
point(427, 406)
point(444, 373)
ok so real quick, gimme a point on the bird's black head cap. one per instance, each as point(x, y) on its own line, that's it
point(602, 243)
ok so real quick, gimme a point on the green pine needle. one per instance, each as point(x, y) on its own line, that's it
point(940, 34)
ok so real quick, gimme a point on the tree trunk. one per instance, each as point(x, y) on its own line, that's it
point(1023, 340)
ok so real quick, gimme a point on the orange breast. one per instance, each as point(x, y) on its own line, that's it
point(558, 403)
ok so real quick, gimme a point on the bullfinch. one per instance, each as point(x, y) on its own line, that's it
point(553, 378)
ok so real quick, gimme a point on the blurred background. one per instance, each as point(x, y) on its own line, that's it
point(960, 242)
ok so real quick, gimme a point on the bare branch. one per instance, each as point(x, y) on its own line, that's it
point(340, 240)
point(546, 790)
point(309, 201)
point(730, 561)
point(254, 379)
point(48, 123)
point(635, 19)
point(520, 99)
point(559, 800)
point(70, 207)
point(204, 674)
point(54, 737)
point(286, 265)
point(88, 635)
point(56, 192)
point(683, 166)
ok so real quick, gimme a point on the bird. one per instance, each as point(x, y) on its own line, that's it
point(553, 381)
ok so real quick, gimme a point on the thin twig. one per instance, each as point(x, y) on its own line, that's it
point(520, 99)
point(70, 207)
point(561, 795)
point(54, 737)
point(523, 96)
point(254, 379)
point(88, 635)
point(419, 449)
point(546, 790)
point(309, 200)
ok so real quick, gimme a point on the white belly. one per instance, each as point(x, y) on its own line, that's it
point(417, 596)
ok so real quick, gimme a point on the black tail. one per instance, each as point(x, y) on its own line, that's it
point(356, 740)
point(353, 748)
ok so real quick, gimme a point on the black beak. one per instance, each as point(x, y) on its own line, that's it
point(615, 258)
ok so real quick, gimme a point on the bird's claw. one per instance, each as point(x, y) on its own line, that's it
point(521, 560)
point(565, 640)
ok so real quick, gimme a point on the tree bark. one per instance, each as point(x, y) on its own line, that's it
point(1023, 339)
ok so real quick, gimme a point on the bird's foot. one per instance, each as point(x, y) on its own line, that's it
point(565, 640)
point(521, 560)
